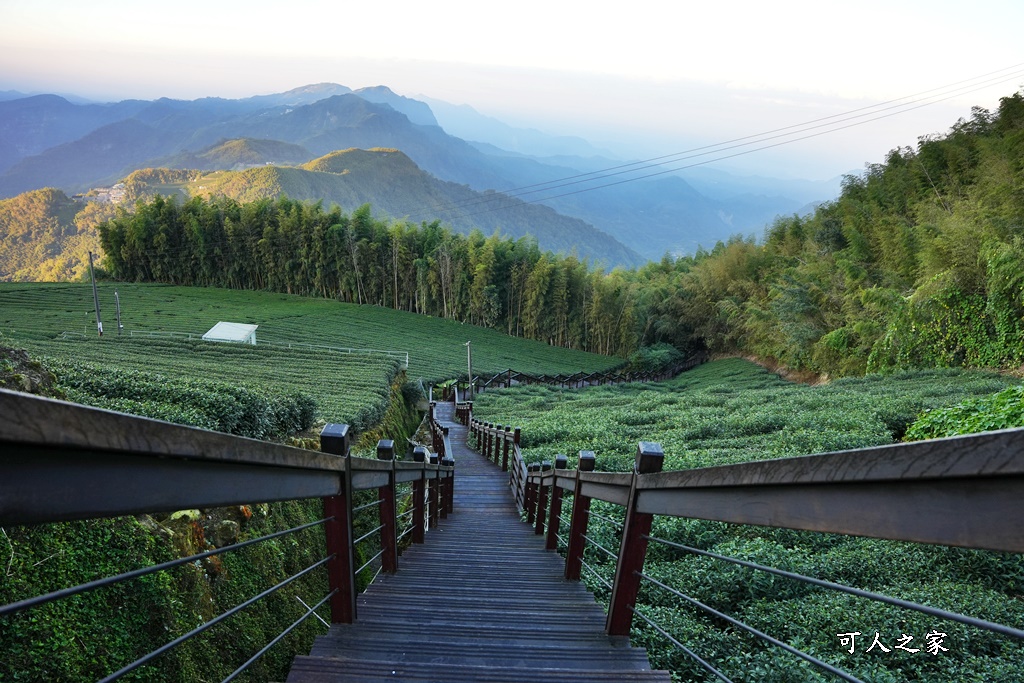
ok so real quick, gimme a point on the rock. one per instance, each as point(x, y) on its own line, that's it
point(223, 533)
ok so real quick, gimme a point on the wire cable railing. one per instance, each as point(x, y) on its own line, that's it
point(825, 666)
point(211, 623)
point(64, 462)
point(112, 580)
point(678, 645)
point(311, 611)
point(878, 597)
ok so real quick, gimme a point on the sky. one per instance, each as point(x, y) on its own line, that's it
point(641, 78)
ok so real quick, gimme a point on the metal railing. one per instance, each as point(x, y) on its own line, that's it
point(62, 462)
point(962, 491)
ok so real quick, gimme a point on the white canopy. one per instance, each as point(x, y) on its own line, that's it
point(232, 332)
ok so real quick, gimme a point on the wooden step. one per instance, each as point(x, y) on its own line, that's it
point(481, 600)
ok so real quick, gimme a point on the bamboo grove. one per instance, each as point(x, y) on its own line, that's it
point(289, 246)
point(918, 263)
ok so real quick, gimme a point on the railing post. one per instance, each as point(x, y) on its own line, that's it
point(542, 499)
point(504, 451)
point(388, 513)
point(555, 514)
point(531, 495)
point(419, 454)
point(488, 439)
point(435, 492)
point(334, 439)
point(448, 503)
point(580, 519)
point(649, 459)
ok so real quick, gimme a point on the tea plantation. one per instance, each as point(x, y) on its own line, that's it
point(733, 411)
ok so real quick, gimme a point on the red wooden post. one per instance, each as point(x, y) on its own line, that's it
point(435, 490)
point(506, 438)
point(542, 500)
point(649, 459)
point(531, 494)
point(580, 519)
point(448, 504)
point(445, 460)
point(419, 454)
point(388, 513)
point(555, 515)
point(334, 439)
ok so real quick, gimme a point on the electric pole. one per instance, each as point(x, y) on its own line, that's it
point(95, 296)
point(469, 367)
point(117, 302)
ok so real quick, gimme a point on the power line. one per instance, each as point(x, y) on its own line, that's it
point(795, 129)
point(719, 158)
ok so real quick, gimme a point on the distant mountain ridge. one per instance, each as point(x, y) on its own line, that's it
point(46, 141)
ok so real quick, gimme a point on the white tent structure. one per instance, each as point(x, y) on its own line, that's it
point(239, 333)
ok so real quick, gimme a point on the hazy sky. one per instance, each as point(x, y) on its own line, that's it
point(639, 77)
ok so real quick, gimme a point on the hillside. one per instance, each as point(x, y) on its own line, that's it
point(918, 263)
point(394, 186)
point(237, 155)
point(35, 316)
point(44, 235)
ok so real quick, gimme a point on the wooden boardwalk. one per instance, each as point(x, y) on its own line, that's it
point(481, 600)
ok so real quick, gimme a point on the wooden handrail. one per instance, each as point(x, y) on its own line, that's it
point(961, 491)
point(61, 461)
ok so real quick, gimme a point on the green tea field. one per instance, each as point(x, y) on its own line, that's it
point(733, 411)
point(34, 314)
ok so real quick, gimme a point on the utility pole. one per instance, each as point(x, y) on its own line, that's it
point(469, 365)
point(95, 296)
point(117, 302)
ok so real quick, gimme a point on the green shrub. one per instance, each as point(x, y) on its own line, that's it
point(1002, 410)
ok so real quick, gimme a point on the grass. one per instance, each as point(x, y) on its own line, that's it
point(34, 314)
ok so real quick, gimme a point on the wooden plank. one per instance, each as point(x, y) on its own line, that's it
point(611, 487)
point(970, 512)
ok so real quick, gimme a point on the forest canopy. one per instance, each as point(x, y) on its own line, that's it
point(918, 263)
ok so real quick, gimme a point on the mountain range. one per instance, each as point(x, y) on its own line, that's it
point(48, 141)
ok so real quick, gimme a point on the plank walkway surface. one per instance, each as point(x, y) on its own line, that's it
point(481, 600)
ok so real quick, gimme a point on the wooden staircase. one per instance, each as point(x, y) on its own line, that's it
point(480, 601)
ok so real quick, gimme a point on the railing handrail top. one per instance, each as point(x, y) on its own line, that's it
point(47, 422)
point(988, 454)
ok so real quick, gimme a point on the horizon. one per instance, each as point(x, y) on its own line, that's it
point(636, 86)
